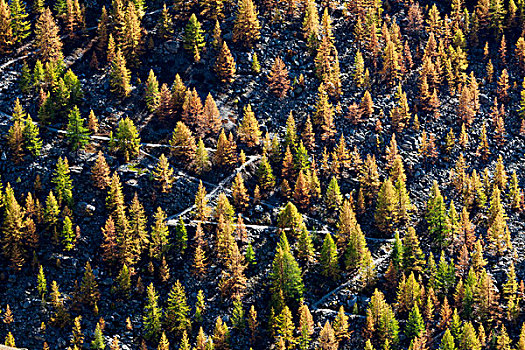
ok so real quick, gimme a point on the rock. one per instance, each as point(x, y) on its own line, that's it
point(85, 209)
point(171, 46)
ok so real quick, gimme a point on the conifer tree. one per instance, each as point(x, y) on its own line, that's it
point(306, 327)
point(46, 37)
point(329, 260)
point(100, 172)
point(327, 339)
point(183, 143)
point(239, 193)
point(159, 236)
point(324, 114)
point(15, 140)
point(163, 174)
point(51, 211)
point(212, 115)
point(20, 26)
point(89, 293)
point(68, 235)
point(413, 257)
point(6, 32)
point(13, 229)
point(233, 280)
point(284, 328)
point(152, 313)
point(340, 325)
point(265, 175)
point(77, 133)
point(165, 24)
point(287, 284)
point(333, 197)
point(32, 141)
point(249, 131)
point(212, 9)
point(202, 210)
point(63, 182)
point(246, 29)
point(177, 312)
point(278, 81)
point(98, 339)
point(386, 215)
point(225, 65)
point(60, 317)
point(10, 340)
point(126, 140)
point(41, 282)
point(415, 325)
point(119, 76)
point(152, 93)
point(221, 335)
point(124, 280)
point(193, 38)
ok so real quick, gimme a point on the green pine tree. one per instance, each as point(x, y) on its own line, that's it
point(329, 261)
point(415, 325)
point(77, 133)
point(286, 280)
point(63, 182)
point(193, 36)
point(177, 313)
point(152, 314)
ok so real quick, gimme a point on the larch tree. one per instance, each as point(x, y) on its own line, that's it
point(119, 76)
point(63, 183)
point(126, 140)
point(246, 29)
point(152, 313)
point(14, 229)
point(278, 81)
point(159, 242)
point(212, 115)
point(100, 172)
point(77, 133)
point(287, 283)
point(130, 34)
point(163, 174)
point(183, 143)
point(6, 32)
point(233, 280)
point(165, 24)
point(192, 109)
point(20, 26)
point(225, 65)
point(89, 292)
point(310, 25)
point(47, 37)
point(152, 93)
point(177, 318)
point(249, 131)
point(193, 37)
point(329, 258)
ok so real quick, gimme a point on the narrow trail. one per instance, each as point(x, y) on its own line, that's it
point(98, 137)
point(65, 36)
point(352, 282)
point(172, 220)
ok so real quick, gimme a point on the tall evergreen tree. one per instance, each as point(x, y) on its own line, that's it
point(152, 313)
point(177, 318)
point(287, 283)
point(77, 133)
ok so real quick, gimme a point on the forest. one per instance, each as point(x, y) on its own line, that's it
point(262, 174)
